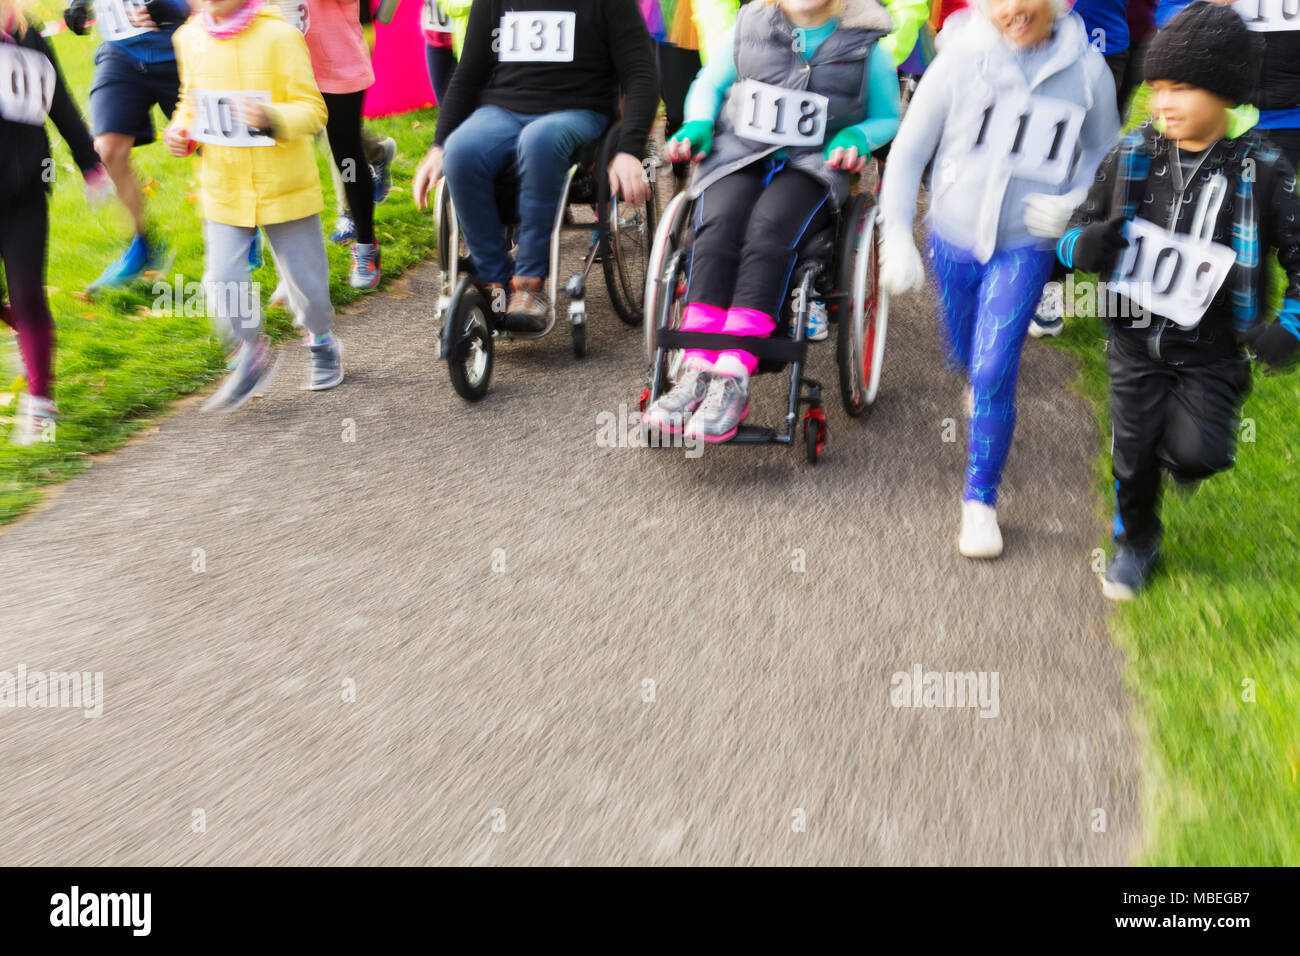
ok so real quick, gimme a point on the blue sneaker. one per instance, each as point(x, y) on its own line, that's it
point(345, 230)
point(126, 268)
point(1129, 571)
point(252, 369)
point(382, 172)
point(365, 272)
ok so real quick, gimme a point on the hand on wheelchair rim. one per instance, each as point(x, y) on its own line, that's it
point(628, 179)
point(426, 177)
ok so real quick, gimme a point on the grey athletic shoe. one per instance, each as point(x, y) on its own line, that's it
point(326, 364)
point(725, 406)
point(1129, 571)
point(253, 369)
point(670, 412)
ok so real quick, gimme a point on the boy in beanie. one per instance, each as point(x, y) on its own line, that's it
point(1180, 221)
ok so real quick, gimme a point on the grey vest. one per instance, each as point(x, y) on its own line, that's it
point(765, 50)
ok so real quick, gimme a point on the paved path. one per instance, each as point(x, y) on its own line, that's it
point(500, 716)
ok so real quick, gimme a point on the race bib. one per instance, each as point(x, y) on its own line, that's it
point(433, 19)
point(113, 22)
point(295, 14)
point(1267, 16)
point(773, 114)
point(1034, 136)
point(216, 118)
point(1170, 275)
point(26, 85)
point(536, 37)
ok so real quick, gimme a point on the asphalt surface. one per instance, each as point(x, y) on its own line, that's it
point(563, 653)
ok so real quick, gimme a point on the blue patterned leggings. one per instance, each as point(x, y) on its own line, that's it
point(987, 308)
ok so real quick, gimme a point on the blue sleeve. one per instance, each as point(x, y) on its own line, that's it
point(704, 98)
point(884, 108)
point(1166, 9)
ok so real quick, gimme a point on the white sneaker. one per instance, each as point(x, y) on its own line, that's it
point(980, 536)
point(35, 422)
point(819, 322)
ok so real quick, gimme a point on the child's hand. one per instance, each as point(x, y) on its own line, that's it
point(1047, 215)
point(848, 151)
point(98, 186)
point(139, 16)
point(177, 140)
point(901, 267)
point(1098, 245)
point(254, 113)
point(1274, 344)
point(691, 143)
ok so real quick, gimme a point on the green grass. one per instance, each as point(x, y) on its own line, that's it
point(1221, 774)
point(115, 366)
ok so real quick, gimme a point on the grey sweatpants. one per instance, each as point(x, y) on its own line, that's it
point(299, 247)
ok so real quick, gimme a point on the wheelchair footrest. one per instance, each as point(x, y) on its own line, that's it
point(775, 349)
point(754, 435)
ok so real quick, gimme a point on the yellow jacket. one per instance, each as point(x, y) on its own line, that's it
point(255, 185)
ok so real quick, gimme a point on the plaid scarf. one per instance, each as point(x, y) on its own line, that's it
point(1140, 146)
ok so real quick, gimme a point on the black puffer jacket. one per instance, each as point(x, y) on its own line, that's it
point(1275, 218)
point(25, 149)
point(1279, 77)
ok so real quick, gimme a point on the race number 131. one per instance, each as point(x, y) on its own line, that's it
point(773, 114)
point(536, 37)
point(1035, 136)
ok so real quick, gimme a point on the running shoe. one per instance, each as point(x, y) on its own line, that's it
point(725, 405)
point(345, 230)
point(980, 535)
point(1048, 319)
point(35, 422)
point(365, 272)
point(254, 369)
point(1128, 572)
point(126, 268)
point(670, 412)
point(819, 323)
point(326, 364)
point(528, 309)
point(382, 171)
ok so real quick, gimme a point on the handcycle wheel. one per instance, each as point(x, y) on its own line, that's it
point(469, 356)
point(630, 236)
point(860, 342)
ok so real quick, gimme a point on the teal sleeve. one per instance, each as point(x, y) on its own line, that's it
point(704, 98)
point(884, 108)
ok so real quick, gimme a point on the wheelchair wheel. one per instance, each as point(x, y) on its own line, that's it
point(629, 236)
point(664, 292)
point(469, 356)
point(860, 344)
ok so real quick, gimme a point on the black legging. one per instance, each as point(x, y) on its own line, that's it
point(24, 226)
point(677, 70)
point(343, 129)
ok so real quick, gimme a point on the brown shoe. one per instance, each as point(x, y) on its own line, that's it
point(528, 309)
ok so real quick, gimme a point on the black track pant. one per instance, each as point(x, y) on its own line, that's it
point(1182, 418)
point(748, 227)
point(677, 70)
point(343, 129)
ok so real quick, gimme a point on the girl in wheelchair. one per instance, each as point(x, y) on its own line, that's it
point(536, 80)
point(1015, 114)
point(791, 103)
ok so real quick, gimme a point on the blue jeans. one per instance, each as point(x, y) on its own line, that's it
point(541, 147)
point(986, 310)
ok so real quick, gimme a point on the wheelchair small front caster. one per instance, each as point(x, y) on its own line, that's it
point(814, 434)
point(578, 324)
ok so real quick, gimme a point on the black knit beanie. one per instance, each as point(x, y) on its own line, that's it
point(1207, 45)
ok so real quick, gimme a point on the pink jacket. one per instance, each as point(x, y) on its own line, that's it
point(332, 28)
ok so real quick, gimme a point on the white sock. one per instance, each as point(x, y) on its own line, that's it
point(732, 367)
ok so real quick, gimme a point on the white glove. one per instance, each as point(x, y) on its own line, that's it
point(1047, 215)
point(901, 267)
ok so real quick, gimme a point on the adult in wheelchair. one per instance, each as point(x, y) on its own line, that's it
point(532, 131)
point(771, 224)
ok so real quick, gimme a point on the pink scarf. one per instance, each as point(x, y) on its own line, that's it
point(234, 24)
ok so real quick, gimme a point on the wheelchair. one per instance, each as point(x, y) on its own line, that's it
point(621, 239)
point(838, 266)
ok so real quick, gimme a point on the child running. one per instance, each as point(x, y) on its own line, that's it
point(249, 99)
point(135, 68)
point(1016, 111)
point(831, 92)
point(1196, 206)
point(33, 89)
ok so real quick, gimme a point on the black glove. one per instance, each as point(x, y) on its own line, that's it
point(76, 16)
point(1098, 245)
point(1273, 344)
